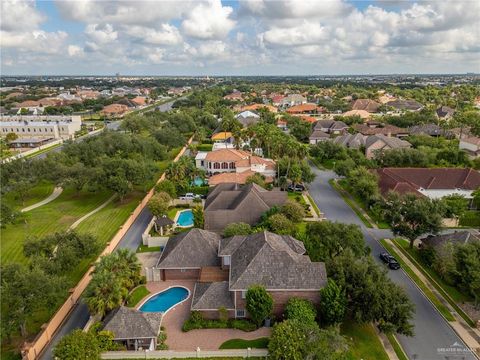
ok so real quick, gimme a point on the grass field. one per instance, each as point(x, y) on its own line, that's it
point(37, 193)
point(138, 294)
point(55, 216)
point(260, 343)
point(364, 342)
point(428, 293)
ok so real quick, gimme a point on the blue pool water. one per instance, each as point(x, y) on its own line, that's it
point(165, 300)
point(185, 218)
point(198, 181)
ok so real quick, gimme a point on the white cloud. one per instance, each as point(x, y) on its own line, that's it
point(304, 34)
point(18, 15)
point(208, 20)
point(74, 50)
point(166, 35)
point(101, 34)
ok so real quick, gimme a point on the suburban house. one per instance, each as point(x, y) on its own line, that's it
point(234, 161)
point(430, 130)
point(292, 100)
point(134, 329)
point(307, 108)
point(365, 115)
point(114, 110)
point(222, 140)
point(282, 124)
point(457, 237)
point(317, 136)
point(247, 118)
point(224, 269)
point(471, 145)
point(405, 105)
point(378, 143)
point(368, 105)
point(445, 112)
point(231, 203)
point(353, 141)
point(434, 183)
point(234, 96)
point(255, 107)
point(380, 129)
point(334, 127)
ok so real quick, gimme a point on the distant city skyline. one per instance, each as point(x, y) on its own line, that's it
point(239, 38)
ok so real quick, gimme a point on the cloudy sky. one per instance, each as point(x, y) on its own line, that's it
point(245, 37)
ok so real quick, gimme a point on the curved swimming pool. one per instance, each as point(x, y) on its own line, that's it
point(165, 300)
point(185, 218)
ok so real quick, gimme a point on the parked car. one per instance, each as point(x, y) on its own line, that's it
point(190, 196)
point(296, 187)
point(390, 261)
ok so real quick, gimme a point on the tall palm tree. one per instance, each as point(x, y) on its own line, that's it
point(104, 293)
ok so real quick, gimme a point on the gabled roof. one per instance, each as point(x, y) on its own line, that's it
point(368, 105)
point(391, 142)
point(274, 261)
point(238, 178)
point(362, 113)
point(127, 323)
point(304, 108)
point(457, 237)
point(318, 134)
point(212, 296)
point(330, 124)
point(412, 179)
point(247, 114)
point(353, 141)
point(384, 130)
point(429, 129)
point(412, 105)
point(195, 248)
point(445, 111)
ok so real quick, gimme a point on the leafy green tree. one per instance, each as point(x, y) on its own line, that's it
point(119, 184)
point(411, 216)
point(455, 205)
point(168, 187)
point(198, 217)
point(363, 183)
point(170, 136)
point(237, 229)
point(78, 345)
point(333, 304)
point(326, 239)
point(343, 167)
point(159, 204)
point(11, 137)
point(467, 269)
point(7, 215)
point(280, 224)
point(259, 304)
point(256, 178)
point(293, 211)
point(301, 310)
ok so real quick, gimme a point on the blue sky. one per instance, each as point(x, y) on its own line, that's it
point(245, 37)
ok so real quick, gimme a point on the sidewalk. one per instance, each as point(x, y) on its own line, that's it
point(315, 216)
point(56, 193)
point(470, 336)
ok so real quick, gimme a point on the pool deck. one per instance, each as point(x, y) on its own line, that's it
point(205, 339)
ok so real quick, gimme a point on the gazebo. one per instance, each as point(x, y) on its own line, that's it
point(162, 224)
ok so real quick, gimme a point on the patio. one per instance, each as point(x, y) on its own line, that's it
point(205, 339)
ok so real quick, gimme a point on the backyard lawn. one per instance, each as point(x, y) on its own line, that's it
point(260, 343)
point(138, 294)
point(364, 342)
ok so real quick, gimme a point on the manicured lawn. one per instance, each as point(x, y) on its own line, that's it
point(260, 343)
point(42, 151)
point(37, 193)
point(144, 248)
point(470, 219)
point(138, 294)
point(55, 216)
point(298, 198)
point(364, 342)
point(314, 205)
point(428, 293)
point(449, 292)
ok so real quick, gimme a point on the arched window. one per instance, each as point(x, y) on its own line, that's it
point(216, 165)
point(224, 165)
point(232, 165)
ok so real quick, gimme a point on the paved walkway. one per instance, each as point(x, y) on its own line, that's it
point(56, 193)
point(205, 339)
point(76, 223)
point(469, 335)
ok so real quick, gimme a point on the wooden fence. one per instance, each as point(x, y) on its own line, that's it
point(31, 351)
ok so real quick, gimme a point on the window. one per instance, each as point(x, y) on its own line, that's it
point(202, 163)
point(240, 313)
point(244, 294)
point(226, 260)
point(224, 165)
point(216, 166)
point(28, 129)
point(232, 165)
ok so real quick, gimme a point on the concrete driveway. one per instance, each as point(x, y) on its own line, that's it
point(434, 338)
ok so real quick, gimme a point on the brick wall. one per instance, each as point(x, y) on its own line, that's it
point(177, 274)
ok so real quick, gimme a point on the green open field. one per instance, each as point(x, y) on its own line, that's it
point(37, 193)
point(55, 216)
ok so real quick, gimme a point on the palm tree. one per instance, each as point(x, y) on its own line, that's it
point(104, 293)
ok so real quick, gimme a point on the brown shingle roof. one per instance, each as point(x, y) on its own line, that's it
point(384, 130)
point(128, 323)
point(365, 104)
point(405, 180)
point(457, 237)
point(212, 296)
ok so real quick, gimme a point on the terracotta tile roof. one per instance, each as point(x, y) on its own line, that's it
point(304, 108)
point(140, 100)
point(405, 180)
point(309, 119)
point(260, 106)
point(368, 105)
point(115, 109)
point(362, 113)
point(238, 178)
point(227, 155)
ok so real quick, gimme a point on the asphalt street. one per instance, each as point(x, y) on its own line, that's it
point(434, 338)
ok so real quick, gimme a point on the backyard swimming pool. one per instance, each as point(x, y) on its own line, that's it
point(165, 300)
point(185, 218)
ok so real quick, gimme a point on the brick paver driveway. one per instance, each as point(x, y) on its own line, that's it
point(205, 339)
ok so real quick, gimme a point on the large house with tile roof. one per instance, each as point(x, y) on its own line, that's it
point(434, 183)
point(277, 262)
